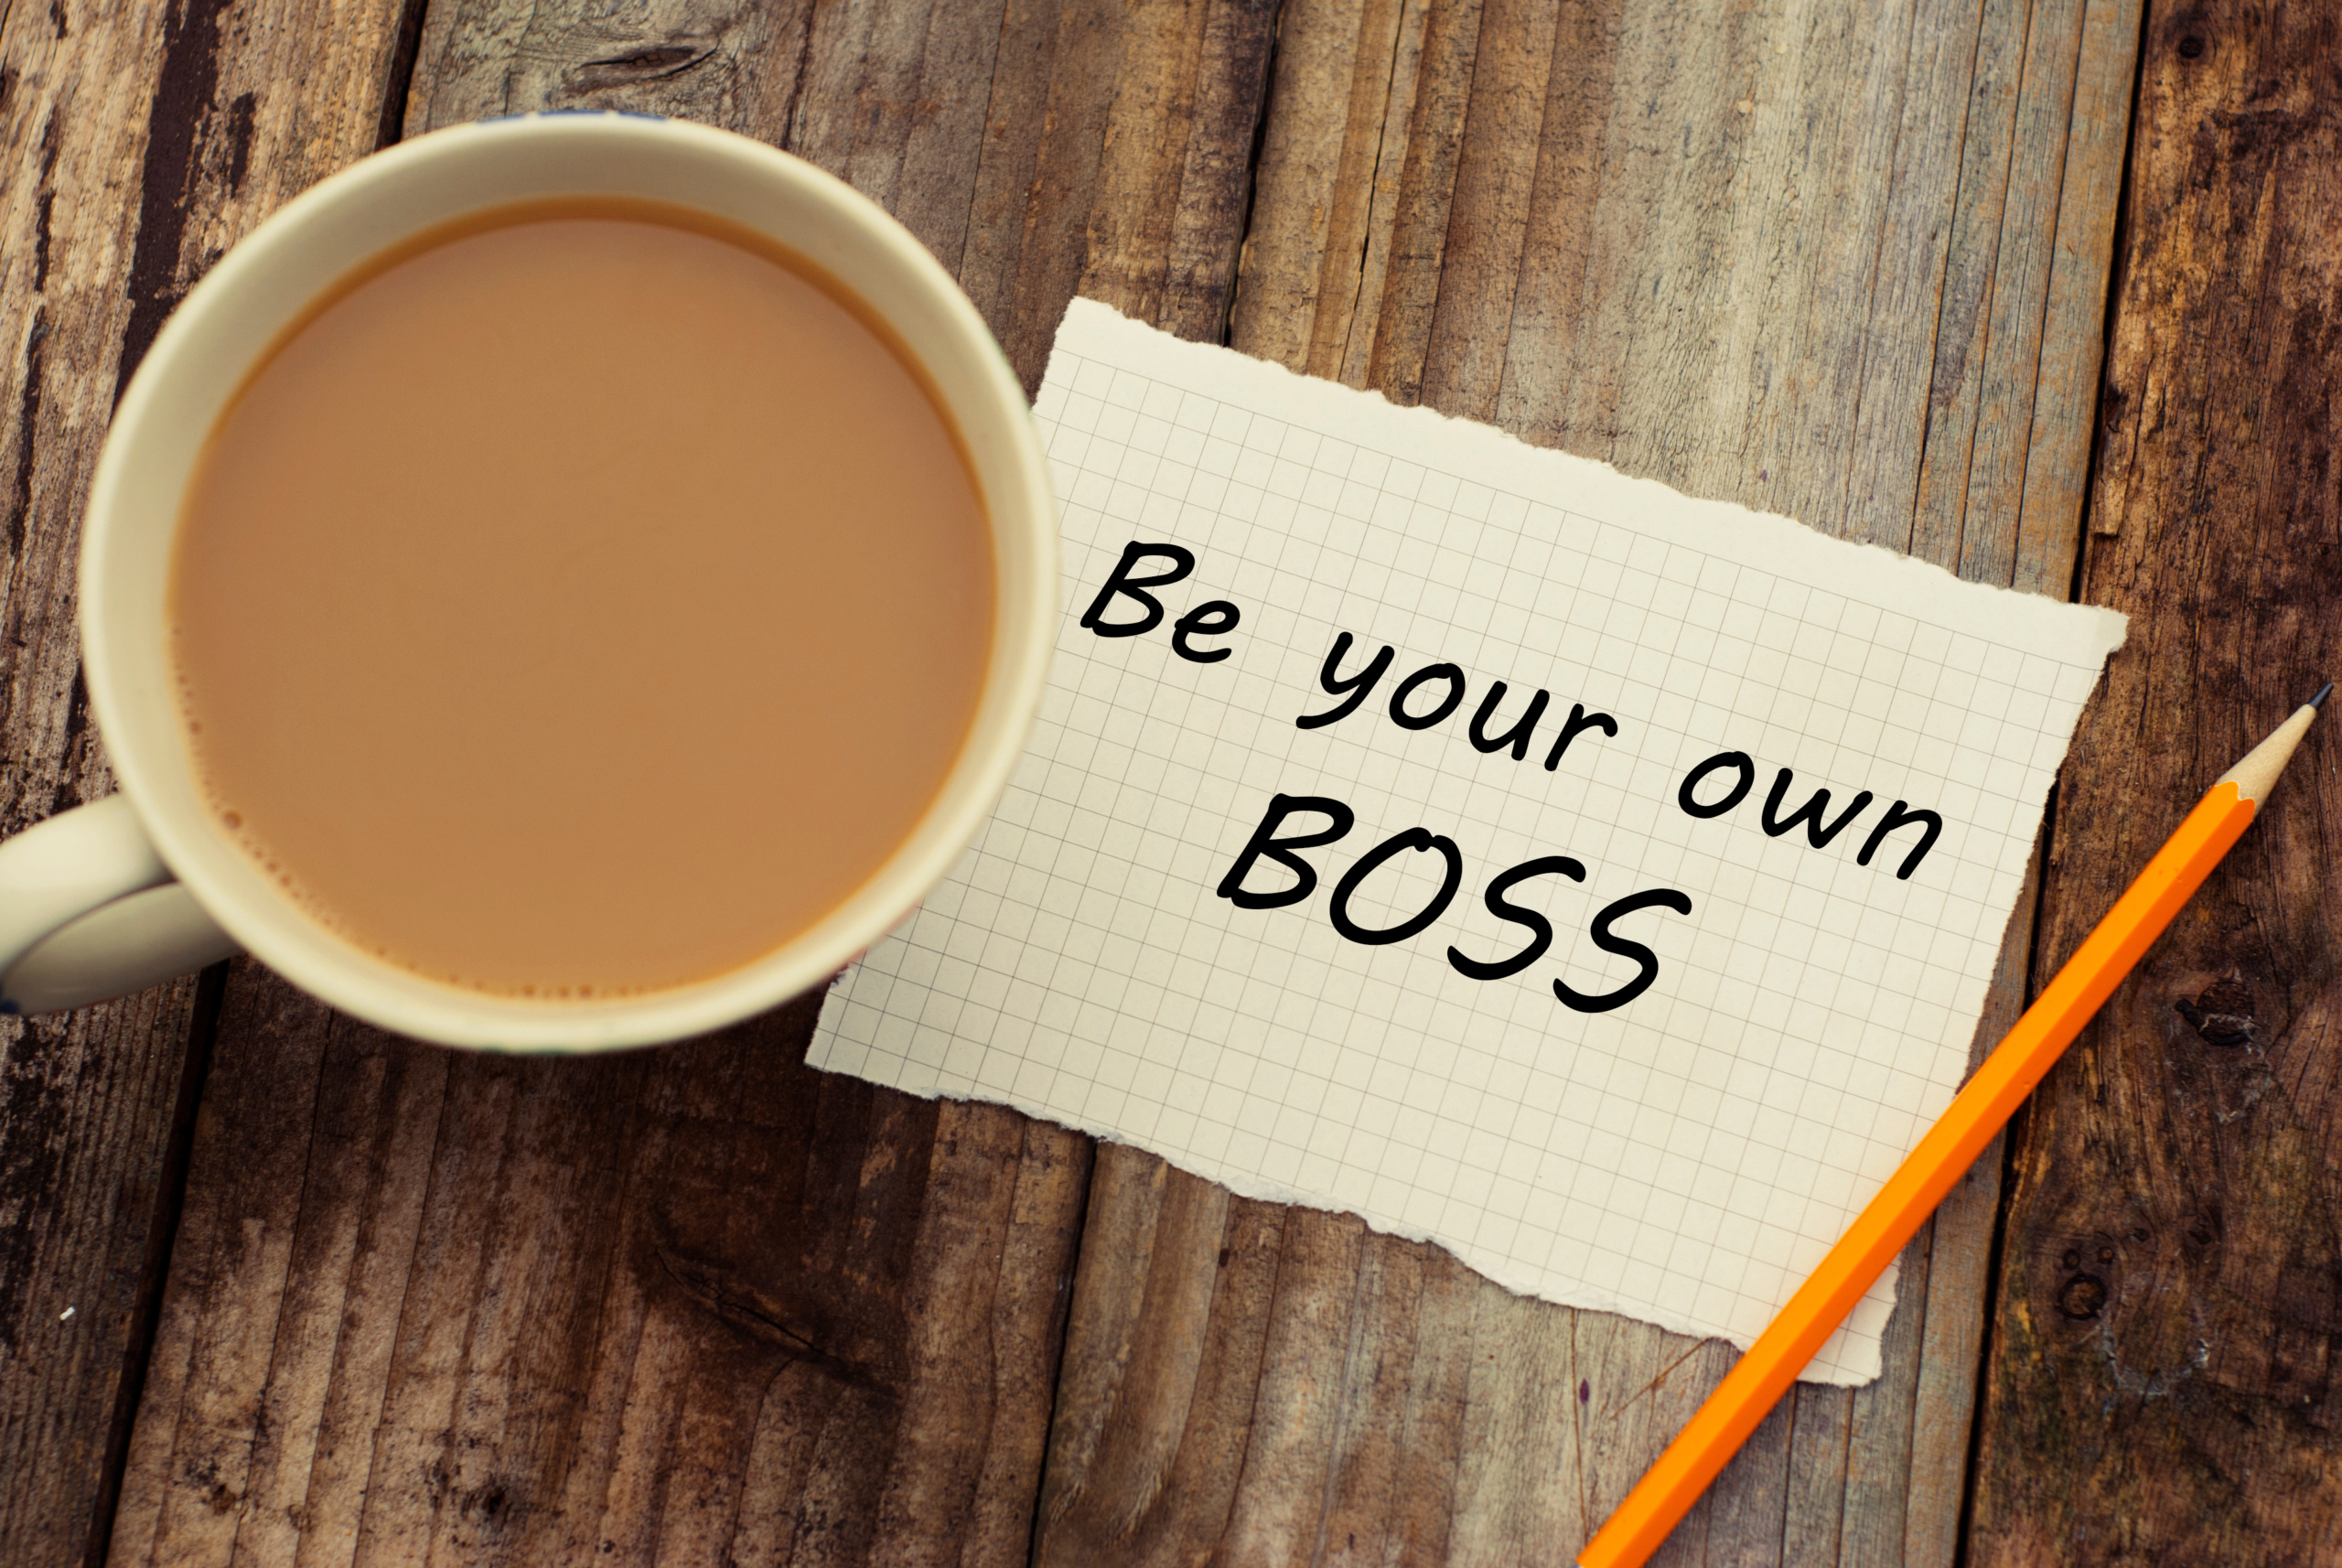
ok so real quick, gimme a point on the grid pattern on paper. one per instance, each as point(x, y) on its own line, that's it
point(1686, 1158)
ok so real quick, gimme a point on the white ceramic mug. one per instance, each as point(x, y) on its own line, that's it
point(142, 885)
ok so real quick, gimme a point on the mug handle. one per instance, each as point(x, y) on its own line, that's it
point(88, 911)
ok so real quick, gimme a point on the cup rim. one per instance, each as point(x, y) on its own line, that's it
point(150, 759)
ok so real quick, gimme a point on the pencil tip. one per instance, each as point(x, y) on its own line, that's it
point(2323, 693)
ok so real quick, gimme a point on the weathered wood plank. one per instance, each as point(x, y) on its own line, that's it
point(138, 139)
point(1161, 237)
point(2163, 1379)
point(87, 1104)
point(488, 1306)
point(1337, 69)
point(2066, 406)
point(1722, 252)
point(700, 1301)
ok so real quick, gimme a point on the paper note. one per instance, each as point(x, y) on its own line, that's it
point(1600, 883)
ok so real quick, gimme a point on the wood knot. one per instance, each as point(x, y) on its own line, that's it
point(2222, 1015)
point(2109, 402)
point(2082, 1296)
point(2191, 48)
point(630, 68)
point(856, 1342)
point(659, 60)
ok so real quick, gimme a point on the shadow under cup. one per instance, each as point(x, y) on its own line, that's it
point(231, 321)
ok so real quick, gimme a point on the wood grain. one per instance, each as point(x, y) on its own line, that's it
point(88, 1104)
point(681, 1302)
point(139, 140)
point(697, 1303)
point(1849, 264)
point(2163, 1379)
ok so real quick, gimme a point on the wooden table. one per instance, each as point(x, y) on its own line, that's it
point(1955, 276)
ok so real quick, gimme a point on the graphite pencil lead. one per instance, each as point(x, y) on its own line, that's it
point(2323, 693)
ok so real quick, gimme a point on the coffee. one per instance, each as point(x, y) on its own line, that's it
point(583, 600)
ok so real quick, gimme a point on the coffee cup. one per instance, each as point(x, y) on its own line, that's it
point(149, 883)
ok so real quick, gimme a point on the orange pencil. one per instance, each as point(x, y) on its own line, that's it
point(1716, 1433)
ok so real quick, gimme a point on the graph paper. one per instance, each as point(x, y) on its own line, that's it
point(1685, 1156)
